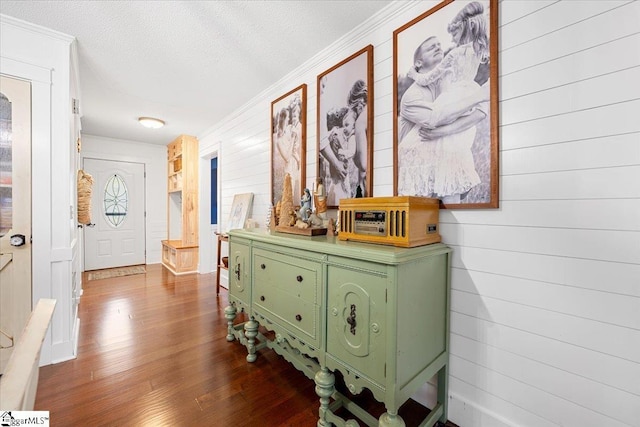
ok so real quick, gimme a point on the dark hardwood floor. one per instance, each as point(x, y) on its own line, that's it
point(153, 351)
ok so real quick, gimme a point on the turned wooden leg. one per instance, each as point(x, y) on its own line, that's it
point(390, 420)
point(230, 314)
point(251, 332)
point(325, 382)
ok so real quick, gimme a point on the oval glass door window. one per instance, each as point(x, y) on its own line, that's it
point(116, 200)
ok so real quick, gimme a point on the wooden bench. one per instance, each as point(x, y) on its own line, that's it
point(19, 383)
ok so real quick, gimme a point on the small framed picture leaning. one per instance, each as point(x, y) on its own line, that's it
point(288, 142)
point(445, 68)
point(345, 128)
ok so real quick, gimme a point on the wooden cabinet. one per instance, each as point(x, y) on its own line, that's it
point(377, 314)
point(180, 249)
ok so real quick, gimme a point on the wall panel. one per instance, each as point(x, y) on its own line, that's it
point(607, 277)
point(611, 183)
point(588, 396)
point(602, 121)
point(617, 19)
point(581, 303)
point(612, 371)
point(540, 402)
point(605, 152)
point(581, 95)
point(591, 334)
point(584, 64)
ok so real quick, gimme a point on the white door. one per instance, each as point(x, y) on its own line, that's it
point(15, 212)
point(117, 209)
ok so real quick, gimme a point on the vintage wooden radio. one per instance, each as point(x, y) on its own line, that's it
point(405, 221)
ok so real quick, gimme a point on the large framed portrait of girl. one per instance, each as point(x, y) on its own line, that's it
point(445, 68)
point(288, 142)
point(345, 128)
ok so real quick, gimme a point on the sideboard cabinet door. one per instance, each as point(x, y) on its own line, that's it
point(356, 325)
point(239, 274)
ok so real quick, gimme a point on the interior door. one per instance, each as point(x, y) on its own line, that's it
point(117, 237)
point(15, 212)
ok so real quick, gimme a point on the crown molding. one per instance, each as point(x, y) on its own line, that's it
point(34, 28)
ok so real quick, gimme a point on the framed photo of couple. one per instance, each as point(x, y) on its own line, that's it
point(345, 128)
point(446, 105)
point(288, 143)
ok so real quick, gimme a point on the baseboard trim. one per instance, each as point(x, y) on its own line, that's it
point(466, 413)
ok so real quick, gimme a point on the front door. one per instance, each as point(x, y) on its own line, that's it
point(117, 209)
point(15, 212)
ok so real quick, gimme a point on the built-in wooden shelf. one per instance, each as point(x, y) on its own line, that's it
point(180, 249)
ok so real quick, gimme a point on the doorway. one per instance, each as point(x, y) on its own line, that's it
point(210, 179)
point(116, 237)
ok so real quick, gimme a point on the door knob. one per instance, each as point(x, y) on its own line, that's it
point(17, 240)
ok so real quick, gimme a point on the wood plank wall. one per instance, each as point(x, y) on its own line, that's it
point(546, 290)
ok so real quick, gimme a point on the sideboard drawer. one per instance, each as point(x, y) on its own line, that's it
point(293, 276)
point(286, 290)
point(290, 312)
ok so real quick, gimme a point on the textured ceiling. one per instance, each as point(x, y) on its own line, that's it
point(190, 63)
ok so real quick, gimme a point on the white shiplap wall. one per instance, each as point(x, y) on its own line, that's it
point(545, 316)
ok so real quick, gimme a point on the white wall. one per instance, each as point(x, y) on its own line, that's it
point(545, 329)
point(154, 158)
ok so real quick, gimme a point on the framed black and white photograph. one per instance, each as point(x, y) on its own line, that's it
point(288, 142)
point(345, 128)
point(445, 68)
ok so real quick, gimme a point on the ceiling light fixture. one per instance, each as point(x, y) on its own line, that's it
point(150, 122)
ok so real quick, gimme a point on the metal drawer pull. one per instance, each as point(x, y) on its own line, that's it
point(351, 320)
point(298, 317)
point(262, 266)
point(237, 271)
point(299, 278)
point(262, 298)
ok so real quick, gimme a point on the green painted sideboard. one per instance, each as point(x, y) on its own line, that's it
point(377, 314)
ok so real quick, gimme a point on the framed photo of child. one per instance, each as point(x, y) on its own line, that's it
point(445, 68)
point(288, 142)
point(345, 128)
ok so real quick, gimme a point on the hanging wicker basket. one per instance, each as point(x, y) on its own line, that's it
point(85, 181)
